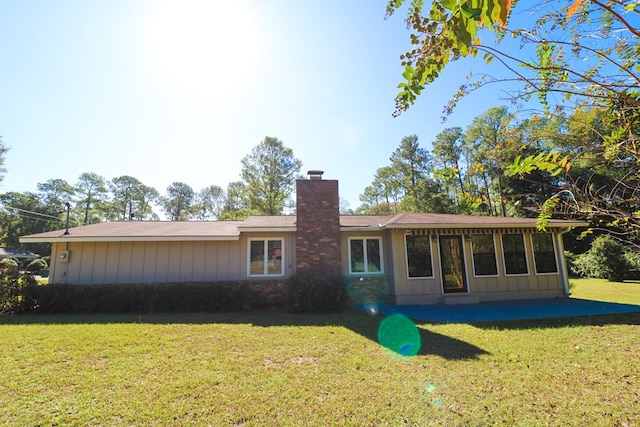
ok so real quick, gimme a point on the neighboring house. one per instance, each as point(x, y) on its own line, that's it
point(424, 258)
point(23, 256)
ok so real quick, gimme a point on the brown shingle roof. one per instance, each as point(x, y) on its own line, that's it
point(230, 230)
point(364, 220)
point(277, 221)
point(422, 219)
point(434, 220)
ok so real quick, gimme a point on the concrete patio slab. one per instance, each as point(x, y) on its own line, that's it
point(505, 310)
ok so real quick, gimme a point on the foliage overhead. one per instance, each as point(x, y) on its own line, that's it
point(576, 54)
point(579, 60)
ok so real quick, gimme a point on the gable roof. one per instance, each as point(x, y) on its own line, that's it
point(230, 230)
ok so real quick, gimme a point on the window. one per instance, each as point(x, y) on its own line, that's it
point(418, 256)
point(515, 258)
point(484, 255)
point(265, 257)
point(365, 255)
point(543, 253)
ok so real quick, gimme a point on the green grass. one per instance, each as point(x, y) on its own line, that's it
point(627, 292)
point(278, 369)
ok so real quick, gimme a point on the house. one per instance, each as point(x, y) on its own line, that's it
point(23, 256)
point(423, 258)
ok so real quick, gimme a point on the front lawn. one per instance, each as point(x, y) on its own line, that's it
point(278, 369)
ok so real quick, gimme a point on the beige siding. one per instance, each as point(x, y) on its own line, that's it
point(429, 290)
point(158, 262)
point(414, 291)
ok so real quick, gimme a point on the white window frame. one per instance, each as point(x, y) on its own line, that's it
point(364, 239)
point(265, 269)
point(555, 255)
point(526, 255)
point(495, 256)
point(406, 259)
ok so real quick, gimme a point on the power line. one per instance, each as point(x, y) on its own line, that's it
point(34, 213)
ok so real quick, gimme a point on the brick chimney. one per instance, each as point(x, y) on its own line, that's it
point(318, 226)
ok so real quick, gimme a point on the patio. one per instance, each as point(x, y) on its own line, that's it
point(506, 310)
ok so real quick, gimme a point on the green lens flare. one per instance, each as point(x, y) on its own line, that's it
point(400, 335)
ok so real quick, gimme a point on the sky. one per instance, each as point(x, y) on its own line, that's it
point(180, 91)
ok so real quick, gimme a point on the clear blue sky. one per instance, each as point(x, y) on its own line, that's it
point(182, 90)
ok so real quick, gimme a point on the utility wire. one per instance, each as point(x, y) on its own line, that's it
point(33, 213)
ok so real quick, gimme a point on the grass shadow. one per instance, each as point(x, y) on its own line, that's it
point(433, 344)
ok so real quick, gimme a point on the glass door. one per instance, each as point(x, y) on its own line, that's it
point(454, 276)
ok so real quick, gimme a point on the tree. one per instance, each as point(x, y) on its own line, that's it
point(209, 203)
point(405, 185)
point(146, 197)
point(576, 62)
point(487, 135)
point(55, 193)
point(269, 174)
point(574, 58)
point(3, 151)
point(447, 151)
point(235, 206)
point(382, 196)
point(92, 192)
point(587, 184)
point(410, 164)
point(178, 203)
point(132, 199)
point(23, 214)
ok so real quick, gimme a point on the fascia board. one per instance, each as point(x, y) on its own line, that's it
point(128, 239)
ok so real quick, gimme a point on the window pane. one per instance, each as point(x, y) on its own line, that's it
point(419, 256)
point(275, 257)
point(373, 256)
point(357, 256)
point(515, 261)
point(484, 255)
point(256, 265)
point(544, 254)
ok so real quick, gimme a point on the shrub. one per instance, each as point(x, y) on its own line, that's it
point(605, 260)
point(36, 266)
point(369, 289)
point(571, 260)
point(9, 264)
point(12, 290)
point(140, 298)
point(315, 294)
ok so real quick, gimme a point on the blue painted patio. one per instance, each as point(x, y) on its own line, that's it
point(505, 310)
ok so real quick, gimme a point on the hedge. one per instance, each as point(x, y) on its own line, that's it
point(315, 294)
point(140, 298)
point(20, 292)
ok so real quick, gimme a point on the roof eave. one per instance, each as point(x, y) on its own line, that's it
point(268, 229)
point(361, 228)
point(128, 239)
point(568, 226)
